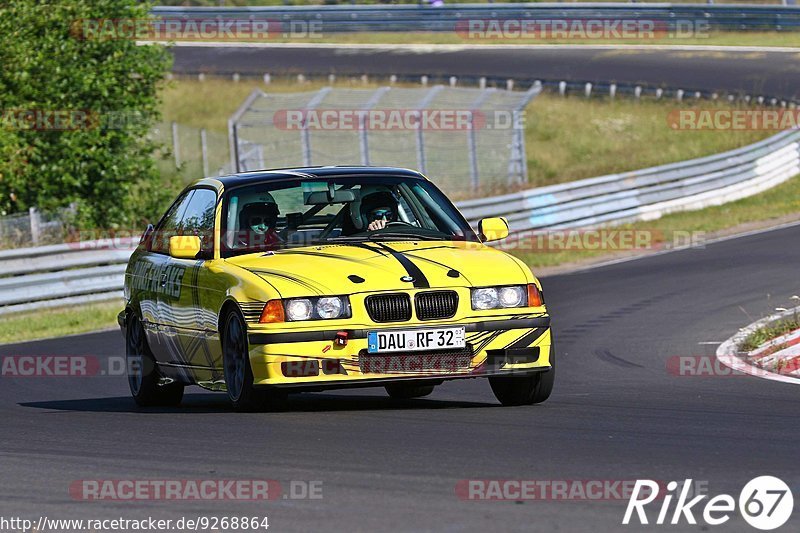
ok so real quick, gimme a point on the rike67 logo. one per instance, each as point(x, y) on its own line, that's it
point(765, 503)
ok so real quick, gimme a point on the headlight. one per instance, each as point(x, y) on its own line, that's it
point(511, 296)
point(329, 307)
point(323, 308)
point(500, 297)
point(299, 309)
point(484, 298)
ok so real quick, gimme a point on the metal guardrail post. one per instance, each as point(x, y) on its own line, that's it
point(204, 151)
point(237, 167)
point(305, 137)
point(363, 136)
point(472, 141)
point(518, 162)
point(36, 223)
point(473, 153)
point(422, 161)
point(233, 129)
point(176, 146)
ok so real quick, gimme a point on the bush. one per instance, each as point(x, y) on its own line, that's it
point(107, 89)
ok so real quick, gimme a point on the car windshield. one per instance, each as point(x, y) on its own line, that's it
point(279, 214)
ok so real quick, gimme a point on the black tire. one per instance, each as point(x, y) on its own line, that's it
point(403, 391)
point(238, 373)
point(144, 378)
point(525, 390)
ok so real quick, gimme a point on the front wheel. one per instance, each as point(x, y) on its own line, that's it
point(144, 378)
point(525, 390)
point(238, 372)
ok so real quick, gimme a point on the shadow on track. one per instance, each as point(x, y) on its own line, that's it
point(216, 403)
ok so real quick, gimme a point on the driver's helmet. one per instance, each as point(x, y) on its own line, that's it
point(259, 216)
point(379, 206)
point(369, 199)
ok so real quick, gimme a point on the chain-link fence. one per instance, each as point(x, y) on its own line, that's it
point(34, 228)
point(190, 152)
point(466, 139)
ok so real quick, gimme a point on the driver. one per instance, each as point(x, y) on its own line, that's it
point(378, 209)
point(258, 220)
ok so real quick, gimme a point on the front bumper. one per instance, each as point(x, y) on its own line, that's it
point(506, 346)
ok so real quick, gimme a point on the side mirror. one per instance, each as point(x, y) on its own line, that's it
point(493, 229)
point(184, 246)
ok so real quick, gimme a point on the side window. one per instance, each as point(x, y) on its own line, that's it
point(198, 219)
point(170, 225)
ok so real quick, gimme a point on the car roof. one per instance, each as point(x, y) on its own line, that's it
point(243, 178)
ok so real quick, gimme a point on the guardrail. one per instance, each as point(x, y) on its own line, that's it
point(67, 274)
point(449, 18)
point(649, 193)
point(61, 275)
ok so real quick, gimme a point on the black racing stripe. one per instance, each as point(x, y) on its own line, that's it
point(437, 263)
point(363, 246)
point(420, 281)
point(294, 279)
point(527, 339)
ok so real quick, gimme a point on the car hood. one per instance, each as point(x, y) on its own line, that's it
point(378, 266)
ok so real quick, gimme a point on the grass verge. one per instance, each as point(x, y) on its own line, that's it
point(59, 322)
point(769, 332)
point(566, 138)
point(769, 205)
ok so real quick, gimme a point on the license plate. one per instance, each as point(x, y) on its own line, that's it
point(415, 340)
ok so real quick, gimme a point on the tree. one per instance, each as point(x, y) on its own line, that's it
point(77, 111)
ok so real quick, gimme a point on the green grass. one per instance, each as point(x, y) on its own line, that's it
point(59, 322)
point(566, 138)
point(769, 332)
point(773, 204)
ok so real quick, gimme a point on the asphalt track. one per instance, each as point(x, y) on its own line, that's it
point(746, 71)
point(616, 414)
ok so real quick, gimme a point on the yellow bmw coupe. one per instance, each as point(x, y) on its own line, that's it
point(307, 279)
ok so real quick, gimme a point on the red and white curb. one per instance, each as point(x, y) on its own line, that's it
point(777, 360)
